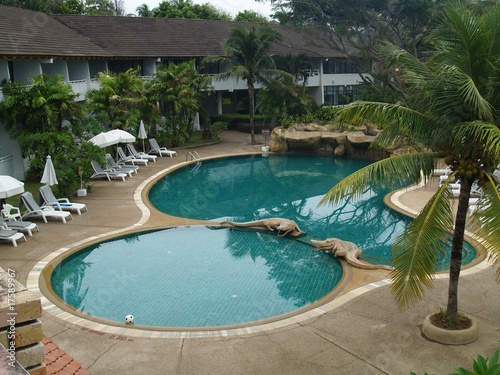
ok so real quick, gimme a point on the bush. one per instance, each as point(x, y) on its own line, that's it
point(235, 119)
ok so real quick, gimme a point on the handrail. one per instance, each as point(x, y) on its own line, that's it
point(193, 155)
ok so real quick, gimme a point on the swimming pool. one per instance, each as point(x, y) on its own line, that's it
point(195, 277)
point(238, 189)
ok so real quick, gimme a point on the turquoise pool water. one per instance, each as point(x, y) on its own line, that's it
point(195, 277)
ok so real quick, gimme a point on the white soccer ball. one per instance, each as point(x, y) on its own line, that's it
point(129, 319)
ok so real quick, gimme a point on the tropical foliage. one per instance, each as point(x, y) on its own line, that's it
point(451, 111)
point(121, 100)
point(89, 7)
point(45, 120)
point(246, 56)
point(187, 10)
point(180, 89)
point(363, 24)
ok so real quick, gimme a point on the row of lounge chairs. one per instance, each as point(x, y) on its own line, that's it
point(454, 186)
point(13, 225)
point(126, 165)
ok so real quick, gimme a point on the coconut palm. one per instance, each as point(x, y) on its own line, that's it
point(246, 56)
point(453, 112)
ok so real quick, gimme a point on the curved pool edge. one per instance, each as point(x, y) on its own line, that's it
point(345, 295)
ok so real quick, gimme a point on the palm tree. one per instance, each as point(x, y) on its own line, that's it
point(118, 100)
point(452, 112)
point(181, 89)
point(247, 57)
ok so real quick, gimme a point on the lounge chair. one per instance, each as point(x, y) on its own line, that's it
point(120, 167)
point(33, 209)
point(48, 198)
point(139, 155)
point(155, 148)
point(11, 235)
point(22, 226)
point(99, 172)
point(121, 157)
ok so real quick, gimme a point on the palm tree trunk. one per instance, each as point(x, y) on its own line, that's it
point(456, 248)
point(251, 110)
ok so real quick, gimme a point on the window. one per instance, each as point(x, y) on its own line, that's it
point(339, 95)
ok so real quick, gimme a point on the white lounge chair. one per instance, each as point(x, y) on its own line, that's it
point(120, 167)
point(121, 157)
point(139, 155)
point(155, 148)
point(99, 172)
point(33, 209)
point(11, 235)
point(22, 226)
point(48, 198)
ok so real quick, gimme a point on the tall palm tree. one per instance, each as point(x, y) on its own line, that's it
point(453, 111)
point(247, 56)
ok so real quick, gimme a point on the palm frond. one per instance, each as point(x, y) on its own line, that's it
point(485, 134)
point(396, 57)
point(391, 172)
point(486, 222)
point(416, 249)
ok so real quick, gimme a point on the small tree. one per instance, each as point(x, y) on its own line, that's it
point(180, 88)
point(118, 100)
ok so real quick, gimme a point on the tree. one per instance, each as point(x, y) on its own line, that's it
point(246, 56)
point(39, 107)
point(180, 88)
point(452, 111)
point(362, 24)
point(118, 100)
point(187, 10)
point(144, 11)
point(286, 95)
point(45, 119)
point(250, 16)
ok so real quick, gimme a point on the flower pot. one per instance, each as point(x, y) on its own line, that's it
point(450, 336)
point(265, 148)
point(81, 192)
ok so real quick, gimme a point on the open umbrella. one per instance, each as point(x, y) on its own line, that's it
point(49, 173)
point(105, 139)
point(142, 134)
point(123, 136)
point(9, 186)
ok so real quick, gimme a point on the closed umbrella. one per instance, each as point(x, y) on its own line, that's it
point(105, 139)
point(9, 186)
point(142, 134)
point(123, 136)
point(49, 173)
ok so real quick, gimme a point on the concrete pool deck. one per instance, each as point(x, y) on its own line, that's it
point(365, 333)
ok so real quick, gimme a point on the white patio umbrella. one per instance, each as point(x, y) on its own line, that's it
point(142, 134)
point(9, 186)
point(105, 139)
point(49, 173)
point(124, 137)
